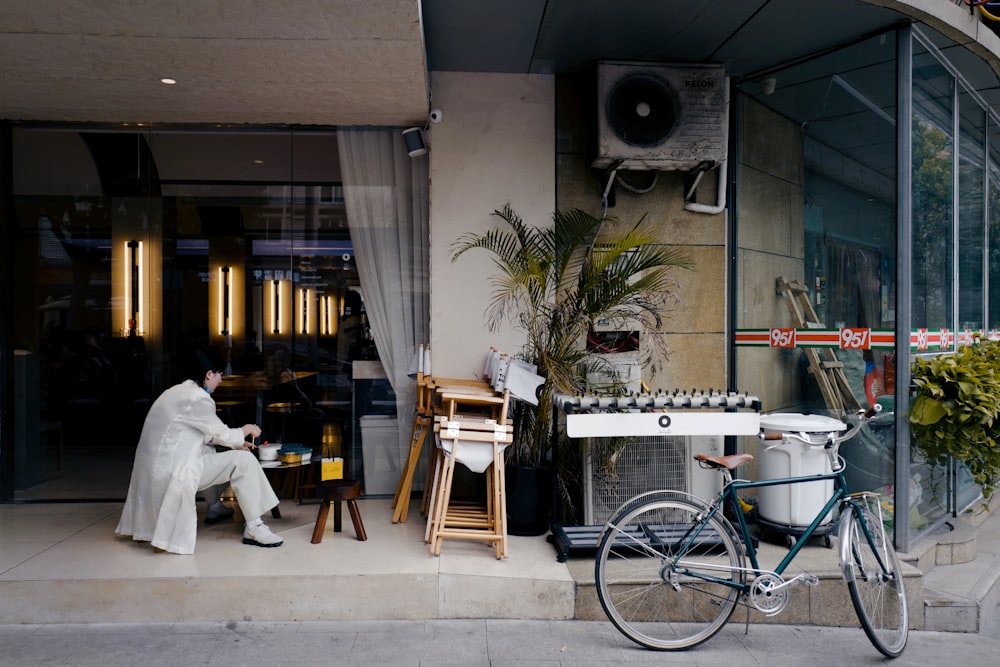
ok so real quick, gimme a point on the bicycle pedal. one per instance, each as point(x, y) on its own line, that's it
point(810, 580)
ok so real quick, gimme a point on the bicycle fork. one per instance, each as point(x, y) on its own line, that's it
point(850, 564)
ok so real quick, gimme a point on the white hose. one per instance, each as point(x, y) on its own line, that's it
point(720, 196)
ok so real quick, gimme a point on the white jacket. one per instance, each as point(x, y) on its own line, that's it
point(160, 506)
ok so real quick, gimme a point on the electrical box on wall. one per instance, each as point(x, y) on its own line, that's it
point(662, 117)
point(627, 371)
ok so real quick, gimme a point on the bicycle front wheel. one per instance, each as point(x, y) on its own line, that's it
point(667, 576)
point(875, 581)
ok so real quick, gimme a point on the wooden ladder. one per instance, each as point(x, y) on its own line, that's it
point(823, 363)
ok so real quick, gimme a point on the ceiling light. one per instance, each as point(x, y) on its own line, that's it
point(167, 80)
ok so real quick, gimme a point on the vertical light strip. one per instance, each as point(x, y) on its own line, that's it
point(141, 319)
point(225, 297)
point(129, 264)
point(276, 300)
point(304, 297)
point(134, 292)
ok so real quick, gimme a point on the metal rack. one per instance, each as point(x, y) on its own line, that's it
point(645, 442)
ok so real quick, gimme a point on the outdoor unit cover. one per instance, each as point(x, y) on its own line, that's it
point(617, 469)
point(654, 116)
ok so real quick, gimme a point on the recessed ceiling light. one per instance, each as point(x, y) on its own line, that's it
point(167, 80)
point(258, 161)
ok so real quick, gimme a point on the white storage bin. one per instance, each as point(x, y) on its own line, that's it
point(383, 456)
point(794, 504)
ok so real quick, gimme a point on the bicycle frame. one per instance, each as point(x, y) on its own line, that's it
point(730, 494)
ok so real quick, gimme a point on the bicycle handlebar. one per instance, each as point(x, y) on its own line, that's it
point(872, 411)
point(830, 439)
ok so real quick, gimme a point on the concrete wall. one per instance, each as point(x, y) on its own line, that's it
point(691, 350)
point(493, 146)
point(771, 243)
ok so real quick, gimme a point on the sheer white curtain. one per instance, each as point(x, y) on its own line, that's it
point(386, 196)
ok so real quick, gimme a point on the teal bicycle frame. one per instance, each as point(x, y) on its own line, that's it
point(730, 494)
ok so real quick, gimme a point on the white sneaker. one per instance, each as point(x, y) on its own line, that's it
point(261, 536)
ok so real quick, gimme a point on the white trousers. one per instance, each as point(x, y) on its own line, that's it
point(240, 469)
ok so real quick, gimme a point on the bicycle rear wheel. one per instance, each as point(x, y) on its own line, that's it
point(874, 578)
point(667, 578)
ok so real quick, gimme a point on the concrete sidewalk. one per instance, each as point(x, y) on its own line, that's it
point(459, 642)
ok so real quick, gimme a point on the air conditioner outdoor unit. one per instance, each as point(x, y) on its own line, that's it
point(617, 469)
point(663, 117)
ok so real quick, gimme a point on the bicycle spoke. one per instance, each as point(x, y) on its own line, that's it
point(653, 595)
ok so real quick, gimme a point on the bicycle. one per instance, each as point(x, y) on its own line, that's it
point(671, 568)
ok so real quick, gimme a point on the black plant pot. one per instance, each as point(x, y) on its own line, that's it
point(529, 500)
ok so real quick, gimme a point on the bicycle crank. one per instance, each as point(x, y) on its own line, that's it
point(769, 592)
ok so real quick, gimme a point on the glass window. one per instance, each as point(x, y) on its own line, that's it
point(817, 209)
point(971, 213)
point(933, 174)
point(993, 227)
point(971, 243)
point(933, 231)
point(136, 246)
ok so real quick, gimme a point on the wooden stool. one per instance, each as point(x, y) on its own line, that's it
point(337, 491)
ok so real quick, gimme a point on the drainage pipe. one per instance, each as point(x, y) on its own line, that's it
point(720, 197)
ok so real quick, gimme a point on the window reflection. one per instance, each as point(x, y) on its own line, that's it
point(834, 119)
point(135, 246)
point(933, 184)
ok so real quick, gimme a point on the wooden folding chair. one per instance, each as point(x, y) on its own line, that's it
point(479, 444)
point(422, 419)
point(457, 398)
point(428, 403)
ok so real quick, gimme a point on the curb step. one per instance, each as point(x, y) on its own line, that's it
point(962, 577)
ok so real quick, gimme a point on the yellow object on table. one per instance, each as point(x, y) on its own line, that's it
point(332, 469)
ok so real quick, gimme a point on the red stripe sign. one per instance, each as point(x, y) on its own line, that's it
point(859, 338)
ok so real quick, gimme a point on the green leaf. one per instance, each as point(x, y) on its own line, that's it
point(926, 411)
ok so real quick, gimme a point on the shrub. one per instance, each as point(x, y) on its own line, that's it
point(956, 411)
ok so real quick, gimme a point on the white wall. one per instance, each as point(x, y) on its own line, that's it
point(496, 144)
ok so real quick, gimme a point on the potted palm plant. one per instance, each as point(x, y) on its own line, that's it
point(553, 283)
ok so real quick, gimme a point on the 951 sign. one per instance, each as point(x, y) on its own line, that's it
point(855, 339)
point(848, 338)
point(782, 337)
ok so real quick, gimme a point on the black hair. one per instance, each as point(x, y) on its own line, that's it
point(199, 362)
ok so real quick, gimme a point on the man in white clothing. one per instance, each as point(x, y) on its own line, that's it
point(176, 457)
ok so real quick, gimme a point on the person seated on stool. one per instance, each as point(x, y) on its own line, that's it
point(176, 457)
